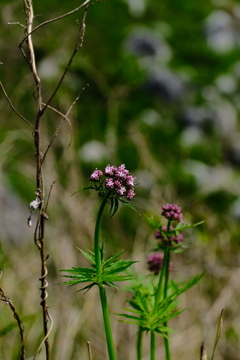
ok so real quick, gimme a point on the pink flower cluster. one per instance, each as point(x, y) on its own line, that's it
point(155, 262)
point(117, 181)
point(172, 239)
point(172, 212)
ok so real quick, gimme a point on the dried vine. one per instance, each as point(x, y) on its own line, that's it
point(26, 47)
point(5, 298)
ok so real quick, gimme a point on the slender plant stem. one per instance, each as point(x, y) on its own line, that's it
point(152, 345)
point(160, 281)
point(167, 262)
point(40, 227)
point(139, 344)
point(167, 347)
point(9, 302)
point(97, 237)
point(164, 274)
point(107, 324)
point(167, 256)
point(103, 297)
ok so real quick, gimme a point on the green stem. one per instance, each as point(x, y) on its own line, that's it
point(97, 237)
point(167, 347)
point(167, 262)
point(107, 324)
point(139, 344)
point(103, 297)
point(160, 281)
point(152, 345)
point(164, 272)
point(167, 254)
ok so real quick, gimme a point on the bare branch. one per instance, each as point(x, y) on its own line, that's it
point(64, 117)
point(29, 22)
point(13, 108)
point(9, 302)
point(49, 194)
point(78, 44)
point(77, 98)
point(54, 19)
point(16, 23)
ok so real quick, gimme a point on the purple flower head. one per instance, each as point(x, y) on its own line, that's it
point(172, 212)
point(117, 182)
point(110, 170)
point(121, 172)
point(121, 191)
point(109, 183)
point(155, 262)
point(95, 176)
point(130, 194)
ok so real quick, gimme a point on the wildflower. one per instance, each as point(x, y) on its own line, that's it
point(96, 175)
point(172, 238)
point(114, 182)
point(155, 262)
point(172, 212)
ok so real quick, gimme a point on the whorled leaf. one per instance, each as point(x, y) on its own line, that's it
point(111, 270)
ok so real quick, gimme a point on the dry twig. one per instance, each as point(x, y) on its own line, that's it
point(9, 302)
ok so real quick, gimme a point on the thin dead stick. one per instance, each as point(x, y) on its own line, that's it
point(13, 108)
point(203, 353)
point(89, 350)
point(9, 302)
point(218, 333)
point(40, 226)
point(54, 19)
point(29, 21)
point(16, 23)
point(77, 98)
point(64, 117)
point(78, 44)
point(49, 194)
point(43, 341)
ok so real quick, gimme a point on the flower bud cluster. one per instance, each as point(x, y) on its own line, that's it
point(172, 212)
point(115, 181)
point(177, 239)
point(155, 262)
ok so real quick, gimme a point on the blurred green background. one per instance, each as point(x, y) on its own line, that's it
point(163, 98)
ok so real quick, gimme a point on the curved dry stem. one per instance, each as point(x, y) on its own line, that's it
point(78, 44)
point(64, 117)
point(54, 19)
point(45, 337)
point(49, 194)
point(13, 108)
point(9, 302)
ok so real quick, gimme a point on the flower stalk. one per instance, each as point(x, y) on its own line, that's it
point(102, 292)
point(139, 343)
point(152, 345)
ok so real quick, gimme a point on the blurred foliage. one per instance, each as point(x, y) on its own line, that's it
point(163, 98)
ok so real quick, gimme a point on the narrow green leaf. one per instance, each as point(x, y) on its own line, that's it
point(129, 316)
point(132, 207)
point(107, 262)
point(89, 256)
